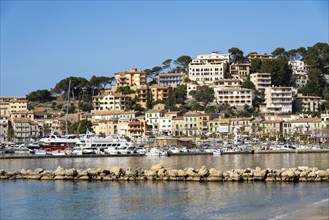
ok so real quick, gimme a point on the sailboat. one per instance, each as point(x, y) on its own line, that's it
point(57, 143)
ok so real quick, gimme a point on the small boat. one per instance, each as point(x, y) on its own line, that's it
point(40, 152)
point(157, 152)
point(217, 152)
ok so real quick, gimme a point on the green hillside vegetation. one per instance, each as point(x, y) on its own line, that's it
point(82, 90)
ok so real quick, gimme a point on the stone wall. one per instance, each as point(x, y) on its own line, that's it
point(160, 173)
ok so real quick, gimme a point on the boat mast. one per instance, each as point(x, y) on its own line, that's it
point(67, 108)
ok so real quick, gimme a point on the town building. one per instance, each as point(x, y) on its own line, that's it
point(303, 126)
point(228, 83)
point(165, 125)
point(136, 129)
point(261, 80)
point(278, 100)
point(260, 56)
point(299, 72)
point(191, 123)
point(111, 101)
point(307, 103)
point(240, 70)
point(160, 92)
point(152, 118)
point(208, 68)
point(238, 97)
point(26, 130)
point(130, 78)
point(170, 79)
point(107, 115)
point(178, 126)
point(105, 127)
point(203, 122)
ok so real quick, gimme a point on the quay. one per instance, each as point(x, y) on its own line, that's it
point(160, 173)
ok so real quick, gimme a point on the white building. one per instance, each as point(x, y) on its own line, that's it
point(152, 118)
point(261, 80)
point(277, 99)
point(207, 68)
point(299, 71)
point(165, 125)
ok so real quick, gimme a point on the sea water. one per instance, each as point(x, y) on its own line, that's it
point(155, 200)
point(28, 199)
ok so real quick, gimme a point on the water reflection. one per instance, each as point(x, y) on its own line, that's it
point(225, 162)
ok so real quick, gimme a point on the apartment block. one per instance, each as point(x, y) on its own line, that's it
point(178, 126)
point(130, 78)
point(136, 129)
point(170, 79)
point(228, 83)
point(261, 80)
point(204, 122)
point(307, 103)
point(238, 97)
point(260, 56)
point(25, 130)
point(208, 68)
point(299, 72)
point(152, 118)
point(240, 70)
point(111, 101)
point(277, 100)
point(306, 126)
point(165, 125)
point(160, 92)
point(106, 127)
point(108, 115)
point(191, 123)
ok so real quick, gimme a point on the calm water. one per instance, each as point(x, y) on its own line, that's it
point(22, 199)
point(225, 162)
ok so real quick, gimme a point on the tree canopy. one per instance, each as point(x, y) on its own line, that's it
point(81, 127)
point(42, 95)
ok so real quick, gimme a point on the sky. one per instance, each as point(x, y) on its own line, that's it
point(43, 42)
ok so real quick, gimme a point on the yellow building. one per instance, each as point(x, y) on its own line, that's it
point(111, 101)
point(18, 105)
point(130, 78)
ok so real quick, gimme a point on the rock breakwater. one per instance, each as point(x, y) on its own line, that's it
point(160, 173)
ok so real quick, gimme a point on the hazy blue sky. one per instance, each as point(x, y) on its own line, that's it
point(44, 42)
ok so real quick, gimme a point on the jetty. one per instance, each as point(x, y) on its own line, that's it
point(160, 173)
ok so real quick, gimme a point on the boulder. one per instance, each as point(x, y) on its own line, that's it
point(156, 168)
point(46, 177)
point(150, 173)
point(59, 171)
point(162, 172)
point(38, 170)
point(117, 171)
point(181, 173)
point(172, 173)
point(191, 172)
point(288, 176)
point(71, 172)
point(215, 173)
point(234, 175)
point(259, 175)
point(323, 175)
point(203, 171)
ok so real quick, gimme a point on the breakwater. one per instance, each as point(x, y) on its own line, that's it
point(160, 173)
